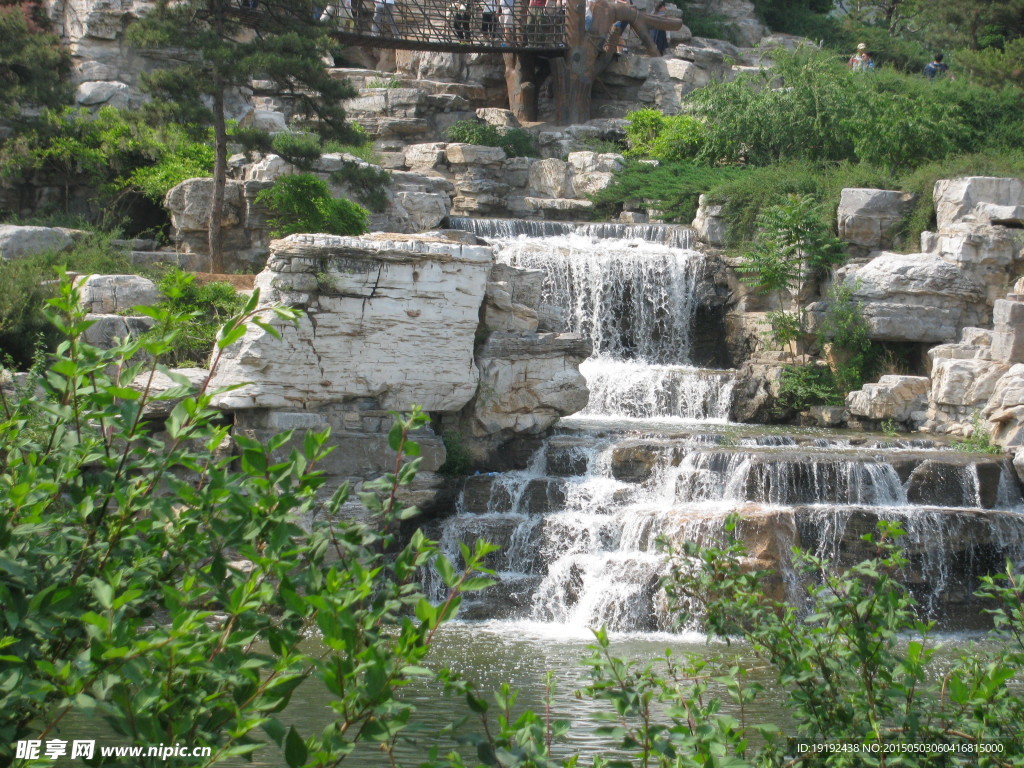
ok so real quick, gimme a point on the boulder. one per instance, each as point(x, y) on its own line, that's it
point(107, 331)
point(424, 157)
point(114, 294)
point(868, 217)
point(550, 178)
point(978, 200)
point(103, 93)
point(892, 397)
point(916, 297)
point(709, 223)
point(1005, 409)
point(389, 318)
point(1008, 334)
point(189, 204)
point(528, 382)
point(964, 383)
point(474, 154)
point(17, 241)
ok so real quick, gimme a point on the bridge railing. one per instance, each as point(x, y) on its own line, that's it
point(493, 25)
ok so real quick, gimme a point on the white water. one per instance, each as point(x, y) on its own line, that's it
point(582, 550)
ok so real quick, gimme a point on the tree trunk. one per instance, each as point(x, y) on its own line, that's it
point(220, 162)
point(587, 56)
point(522, 91)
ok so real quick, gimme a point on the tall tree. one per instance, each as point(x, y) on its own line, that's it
point(273, 48)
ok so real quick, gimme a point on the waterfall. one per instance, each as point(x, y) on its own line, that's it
point(653, 458)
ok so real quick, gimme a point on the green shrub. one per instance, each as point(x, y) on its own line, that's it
point(300, 149)
point(114, 152)
point(650, 134)
point(515, 141)
point(802, 386)
point(980, 440)
point(149, 566)
point(672, 188)
point(458, 461)
point(303, 203)
point(205, 308)
point(367, 182)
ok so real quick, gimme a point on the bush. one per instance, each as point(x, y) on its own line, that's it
point(204, 308)
point(302, 202)
point(650, 134)
point(151, 581)
point(458, 461)
point(114, 152)
point(515, 141)
point(802, 386)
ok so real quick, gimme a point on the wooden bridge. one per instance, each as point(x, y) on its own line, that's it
point(523, 32)
point(453, 27)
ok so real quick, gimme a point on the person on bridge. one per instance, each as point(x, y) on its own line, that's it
point(489, 19)
point(384, 15)
point(340, 14)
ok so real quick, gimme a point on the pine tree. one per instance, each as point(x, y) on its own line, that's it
point(273, 48)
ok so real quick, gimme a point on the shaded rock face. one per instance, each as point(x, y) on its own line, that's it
point(113, 294)
point(868, 217)
point(392, 320)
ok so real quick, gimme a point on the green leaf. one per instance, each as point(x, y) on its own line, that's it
point(295, 750)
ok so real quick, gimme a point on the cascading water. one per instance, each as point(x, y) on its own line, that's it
point(579, 527)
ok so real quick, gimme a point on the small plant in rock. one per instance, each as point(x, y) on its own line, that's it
point(890, 428)
point(458, 460)
point(393, 82)
point(203, 307)
point(303, 203)
point(979, 441)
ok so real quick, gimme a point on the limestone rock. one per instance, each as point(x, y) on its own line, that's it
point(189, 204)
point(424, 157)
point(1008, 335)
point(501, 313)
point(868, 216)
point(550, 178)
point(978, 200)
point(113, 294)
point(1005, 409)
point(709, 223)
point(892, 397)
point(387, 318)
point(528, 382)
point(916, 297)
point(474, 154)
point(17, 241)
point(964, 383)
point(103, 93)
point(107, 331)
point(500, 118)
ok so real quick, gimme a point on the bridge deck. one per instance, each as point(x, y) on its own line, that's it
point(455, 26)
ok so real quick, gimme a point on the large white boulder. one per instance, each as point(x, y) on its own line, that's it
point(892, 397)
point(978, 200)
point(114, 294)
point(868, 217)
point(917, 297)
point(387, 318)
point(17, 241)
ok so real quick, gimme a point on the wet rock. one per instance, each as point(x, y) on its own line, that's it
point(634, 463)
point(542, 496)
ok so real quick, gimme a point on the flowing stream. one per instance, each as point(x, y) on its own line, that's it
point(654, 458)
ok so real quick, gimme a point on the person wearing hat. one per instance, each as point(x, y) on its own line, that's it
point(860, 61)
